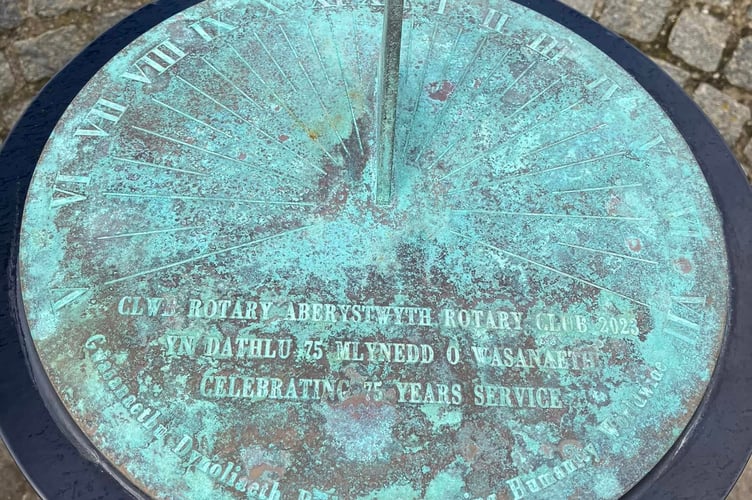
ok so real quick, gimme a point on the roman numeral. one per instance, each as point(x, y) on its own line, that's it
point(442, 7)
point(610, 87)
point(686, 223)
point(215, 25)
point(685, 317)
point(104, 115)
point(67, 297)
point(549, 47)
point(326, 4)
point(657, 145)
point(495, 20)
point(158, 60)
point(69, 189)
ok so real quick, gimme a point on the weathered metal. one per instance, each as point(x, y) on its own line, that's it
point(227, 310)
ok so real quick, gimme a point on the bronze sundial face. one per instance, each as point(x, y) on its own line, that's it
point(239, 289)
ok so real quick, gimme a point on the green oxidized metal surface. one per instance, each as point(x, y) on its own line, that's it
point(227, 312)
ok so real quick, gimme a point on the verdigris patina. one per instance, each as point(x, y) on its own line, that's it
point(228, 309)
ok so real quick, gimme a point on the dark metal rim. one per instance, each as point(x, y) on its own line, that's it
point(705, 461)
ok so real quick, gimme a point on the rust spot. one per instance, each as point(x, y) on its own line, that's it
point(440, 91)
point(478, 83)
point(313, 135)
point(284, 138)
point(613, 205)
point(242, 156)
point(683, 265)
point(634, 244)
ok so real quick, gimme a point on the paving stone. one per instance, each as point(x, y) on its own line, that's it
point(728, 115)
point(739, 69)
point(638, 19)
point(585, 6)
point(699, 39)
point(50, 8)
point(724, 4)
point(45, 55)
point(14, 485)
point(680, 75)
point(10, 14)
point(7, 82)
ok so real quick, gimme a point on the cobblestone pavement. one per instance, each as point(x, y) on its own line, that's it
point(706, 46)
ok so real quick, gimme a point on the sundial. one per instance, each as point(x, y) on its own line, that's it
point(332, 249)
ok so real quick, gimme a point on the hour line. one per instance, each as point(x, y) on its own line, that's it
point(606, 252)
point(549, 268)
point(154, 165)
point(408, 136)
point(269, 6)
point(149, 196)
point(274, 61)
point(244, 120)
point(149, 233)
point(315, 91)
point(540, 172)
point(596, 189)
point(318, 55)
point(287, 107)
point(503, 143)
point(564, 140)
point(344, 82)
point(206, 256)
point(356, 38)
point(533, 99)
point(187, 145)
point(193, 118)
point(448, 105)
point(551, 216)
point(517, 80)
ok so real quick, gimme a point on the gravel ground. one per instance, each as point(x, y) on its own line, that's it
point(706, 46)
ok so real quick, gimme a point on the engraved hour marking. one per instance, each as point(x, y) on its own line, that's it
point(71, 295)
point(207, 255)
point(318, 55)
point(684, 318)
point(444, 71)
point(685, 222)
point(149, 233)
point(189, 146)
point(282, 103)
point(442, 7)
point(603, 188)
point(205, 199)
point(564, 140)
point(612, 87)
point(344, 82)
point(315, 91)
point(551, 169)
point(658, 143)
point(68, 190)
point(246, 121)
point(155, 165)
point(606, 252)
point(159, 59)
point(276, 64)
point(442, 114)
point(549, 47)
point(495, 20)
point(533, 99)
point(549, 268)
point(104, 114)
point(192, 118)
point(549, 216)
point(216, 25)
point(269, 6)
point(502, 143)
point(408, 135)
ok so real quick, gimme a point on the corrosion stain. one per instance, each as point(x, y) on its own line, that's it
point(634, 244)
point(440, 91)
point(284, 138)
point(683, 265)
